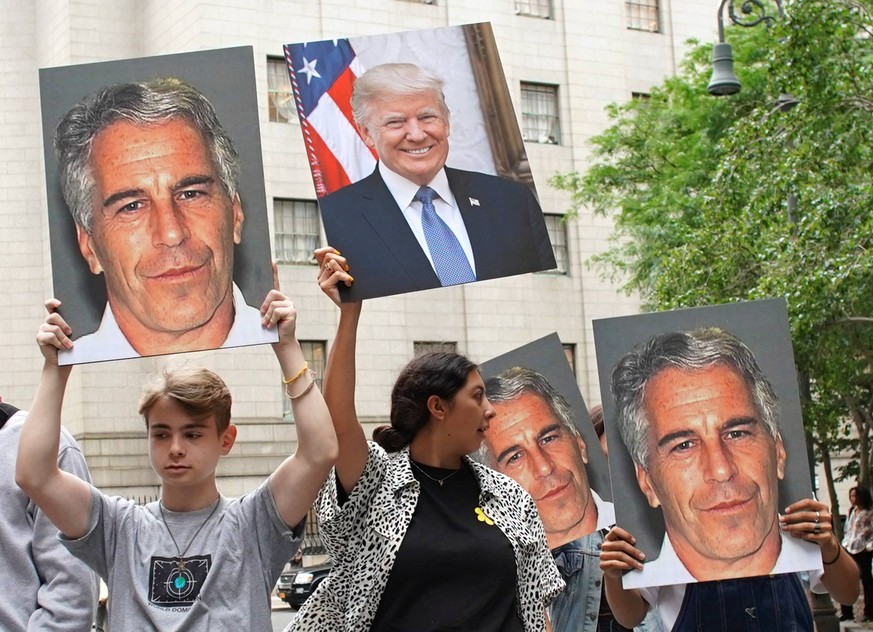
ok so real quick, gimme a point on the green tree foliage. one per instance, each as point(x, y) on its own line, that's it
point(720, 199)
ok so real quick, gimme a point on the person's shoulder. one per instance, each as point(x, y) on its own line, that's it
point(396, 463)
point(380, 466)
point(68, 441)
point(119, 510)
point(376, 450)
point(344, 194)
point(483, 179)
point(231, 508)
point(498, 483)
point(14, 423)
point(70, 456)
point(340, 194)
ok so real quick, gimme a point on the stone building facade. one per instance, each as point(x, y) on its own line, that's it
point(565, 60)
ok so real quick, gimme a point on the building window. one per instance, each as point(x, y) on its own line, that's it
point(558, 236)
point(296, 230)
point(640, 96)
point(428, 346)
point(570, 352)
point(539, 113)
point(315, 353)
point(642, 15)
point(535, 8)
point(279, 95)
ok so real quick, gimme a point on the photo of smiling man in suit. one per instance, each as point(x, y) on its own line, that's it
point(443, 226)
point(411, 222)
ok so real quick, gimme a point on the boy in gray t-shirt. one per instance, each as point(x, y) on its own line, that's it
point(194, 560)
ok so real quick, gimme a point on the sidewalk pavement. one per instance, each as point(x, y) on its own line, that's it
point(852, 626)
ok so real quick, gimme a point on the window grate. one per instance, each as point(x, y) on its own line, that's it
point(539, 113)
point(642, 15)
point(534, 8)
point(296, 230)
point(279, 95)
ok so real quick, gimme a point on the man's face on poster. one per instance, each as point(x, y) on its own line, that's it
point(410, 132)
point(713, 467)
point(163, 228)
point(529, 445)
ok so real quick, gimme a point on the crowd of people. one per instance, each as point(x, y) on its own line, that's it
point(471, 510)
point(423, 537)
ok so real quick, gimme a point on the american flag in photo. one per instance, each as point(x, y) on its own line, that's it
point(322, 75)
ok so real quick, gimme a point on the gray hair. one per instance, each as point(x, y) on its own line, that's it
point(688, 351)
point(146, 103)
point(517, 381)
point(388, 80)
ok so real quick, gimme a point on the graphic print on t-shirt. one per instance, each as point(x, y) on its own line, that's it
point(171, 586)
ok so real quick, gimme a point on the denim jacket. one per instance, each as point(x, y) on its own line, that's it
point(576, 609)
point(775, 603)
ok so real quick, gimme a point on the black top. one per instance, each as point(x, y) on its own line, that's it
point(454, 571)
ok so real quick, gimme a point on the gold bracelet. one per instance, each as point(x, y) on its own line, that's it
point(836, 557)
point(289, 380)
point(305, 390)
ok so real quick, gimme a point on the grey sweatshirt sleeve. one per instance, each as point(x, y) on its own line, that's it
point(67, 598)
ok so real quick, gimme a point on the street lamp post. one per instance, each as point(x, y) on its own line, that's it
point(751, 13)
point(724, 82)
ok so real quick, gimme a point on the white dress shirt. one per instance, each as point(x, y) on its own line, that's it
point(403, 191)
point(605, 512)
point(795, 556)
point(109, 343)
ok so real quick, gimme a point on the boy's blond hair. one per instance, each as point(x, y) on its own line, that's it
point(199, 392)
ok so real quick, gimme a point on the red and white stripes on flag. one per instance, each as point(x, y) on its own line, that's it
point(322, 76)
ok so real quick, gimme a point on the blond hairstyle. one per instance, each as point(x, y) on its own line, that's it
point(198, 391)
point(386, 81)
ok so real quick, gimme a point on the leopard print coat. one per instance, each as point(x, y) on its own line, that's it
point(364, 534)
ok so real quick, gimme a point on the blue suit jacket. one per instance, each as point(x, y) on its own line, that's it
point(507, 232)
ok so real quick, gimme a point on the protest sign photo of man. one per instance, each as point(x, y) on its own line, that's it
point(542, 438)
point(152, 180)
point(533, 438)
point(415, 220)
point(706, 435)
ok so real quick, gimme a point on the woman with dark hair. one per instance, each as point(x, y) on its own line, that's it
point(858, 540)
point(422, 537)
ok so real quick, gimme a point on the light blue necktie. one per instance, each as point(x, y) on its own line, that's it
point(449, 260)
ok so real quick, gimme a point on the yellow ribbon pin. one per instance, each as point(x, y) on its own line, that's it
point(480, 515)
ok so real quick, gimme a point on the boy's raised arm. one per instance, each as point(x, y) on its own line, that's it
point(64, 498)
point(296, 482)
